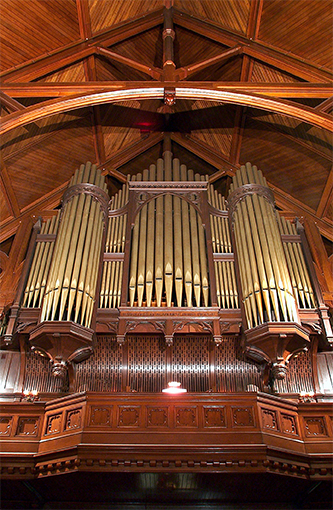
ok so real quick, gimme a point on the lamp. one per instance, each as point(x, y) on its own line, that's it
point(174, 388)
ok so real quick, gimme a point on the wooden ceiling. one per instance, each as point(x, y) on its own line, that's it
point(84, 80)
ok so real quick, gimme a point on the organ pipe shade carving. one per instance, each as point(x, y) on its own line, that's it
point(168, 263)
point(267, 291)
point(71, 286)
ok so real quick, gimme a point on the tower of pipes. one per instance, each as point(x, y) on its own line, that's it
point(68, 295)
point(271, 321)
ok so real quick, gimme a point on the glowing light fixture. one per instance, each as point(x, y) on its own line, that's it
point(174, 388)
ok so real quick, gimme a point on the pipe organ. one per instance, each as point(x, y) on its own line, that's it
point(169, 257)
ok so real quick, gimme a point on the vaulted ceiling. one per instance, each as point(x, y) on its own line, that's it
point(251, 80)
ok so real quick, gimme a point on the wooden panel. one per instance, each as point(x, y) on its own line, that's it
point(288, 166)
point(300, 26)
point(70, 74)
point(232, 14)
point(65, 151)
point(104, 14)
point(31, 31)
point(325, 372)
point(146, 48)
point(265, 74)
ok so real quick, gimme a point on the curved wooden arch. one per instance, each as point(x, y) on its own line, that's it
point(65, 104)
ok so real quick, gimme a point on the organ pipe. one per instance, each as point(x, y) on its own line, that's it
point(266, 285)
point(71, 285)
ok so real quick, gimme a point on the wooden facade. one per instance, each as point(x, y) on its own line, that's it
point(139, 247)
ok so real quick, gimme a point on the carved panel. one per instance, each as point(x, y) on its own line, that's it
point(186, 417)
point(54, 424)
point(157, 416)
point(242, 416)
point(5, 425)
point(269, 419)
point(100, 416)
point(315, 426)
point(288, 424)
point(27, 426)
point(214, 417)
point(129, 416)
point(74, 419)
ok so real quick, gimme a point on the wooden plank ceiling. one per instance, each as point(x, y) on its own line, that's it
point(51, 49)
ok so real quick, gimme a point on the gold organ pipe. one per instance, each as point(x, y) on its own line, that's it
point(218, 290)
point(47, 261)
point(121, 269)
point(287, 300)
point(168, 232)
point(103, 287)
point(142, 248)
point(150, 242)
point(186, 243)
point(178, 262)
point(195, 249)
point(61, 242)
point(211, 217)
point(159, 239)
point(33, 274)
point(293, 269)
point(74, 261)
point(267, 280)
point(250, 261)
point(203, 257)
point(134, 255)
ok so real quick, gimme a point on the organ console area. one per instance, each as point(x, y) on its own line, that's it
point(168, 280)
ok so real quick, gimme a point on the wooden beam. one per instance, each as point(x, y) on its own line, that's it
point(326, 106)
point(253, 23)
point(79, 50)
point(260, 51)
point(185, 72)
point(60, 105)
point(127, 153)
point(8, 191)
point(282, 90)
point(111, 55)
point(326, 198)
point(11, 104)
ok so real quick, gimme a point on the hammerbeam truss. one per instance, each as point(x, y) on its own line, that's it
point(17, 83)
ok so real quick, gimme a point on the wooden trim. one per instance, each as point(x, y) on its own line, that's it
point(258, 50)
point(282, 90)
point(60, 105)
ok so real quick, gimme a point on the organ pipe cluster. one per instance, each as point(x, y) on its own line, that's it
point(226, 287)
point(267, 289)
point(168, 257)
point(110, 294)
point(71, 286)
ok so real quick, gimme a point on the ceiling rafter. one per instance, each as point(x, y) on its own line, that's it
point(153, 72)
point(258, 50)
point(246, 74)
point(327, 196)
point(282, 90)
point(283, 200)
point(60, 105)
point(8, 191)
point(184, 72)
point(90, 75)
point(79, 50)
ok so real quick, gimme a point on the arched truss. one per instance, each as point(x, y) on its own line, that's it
point(65, 104)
